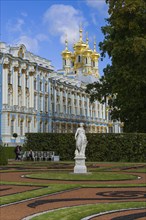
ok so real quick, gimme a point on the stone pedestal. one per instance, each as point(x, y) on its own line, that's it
point(80, 166)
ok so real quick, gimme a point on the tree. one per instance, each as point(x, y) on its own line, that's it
point(124, 81)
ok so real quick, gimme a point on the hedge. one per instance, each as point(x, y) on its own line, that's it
point(10, 152)
point(3, 156)
point(126, 147)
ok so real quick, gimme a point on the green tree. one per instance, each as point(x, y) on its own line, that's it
point(124, 81)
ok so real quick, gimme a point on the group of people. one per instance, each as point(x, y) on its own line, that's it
point(18, 152)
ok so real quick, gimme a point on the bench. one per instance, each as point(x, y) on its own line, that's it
point(40, 156)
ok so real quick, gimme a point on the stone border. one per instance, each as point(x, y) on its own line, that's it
point(86, 218)
point(110, 212)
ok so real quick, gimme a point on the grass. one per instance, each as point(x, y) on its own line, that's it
point(54, 188)
point(99, 176)
point(141, 170)
point(79, 212)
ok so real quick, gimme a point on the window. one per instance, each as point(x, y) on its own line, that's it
point(86, 60)
point(40, 86)
point(35, 84)
point(46, 127)
point(79, 59)
point(9, 98)
point(21, 127)
point(46, 87)
point(12, 127)
point(64, 62)
point(29, 126)
point(41, 127)
point(26, 81)
point(19, 80)
point(46, 104)
point(19, 100)
point(35, 102)
point(9, 78)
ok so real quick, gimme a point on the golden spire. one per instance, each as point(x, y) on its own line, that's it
point(66, 43)
point(94, 44)
point(87, 40)
point(81, 33)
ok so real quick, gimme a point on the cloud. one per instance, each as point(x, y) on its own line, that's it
point(15, 25)
point(64, 19)
point(31, 44)
point(24, 14)
point(42, 37)
point(97, 4)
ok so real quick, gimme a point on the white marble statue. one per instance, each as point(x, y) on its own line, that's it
point(81, 141)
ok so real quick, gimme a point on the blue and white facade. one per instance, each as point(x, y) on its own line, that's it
point(35, 98)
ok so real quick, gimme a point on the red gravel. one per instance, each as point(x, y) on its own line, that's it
point(68, 198)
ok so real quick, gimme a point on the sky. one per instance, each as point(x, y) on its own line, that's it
point(42, 25)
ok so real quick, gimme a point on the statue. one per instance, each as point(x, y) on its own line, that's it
point(81, 141)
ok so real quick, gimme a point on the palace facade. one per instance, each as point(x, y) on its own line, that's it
point(35, 98)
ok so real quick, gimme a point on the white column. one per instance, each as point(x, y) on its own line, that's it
point(88, 111)
point(72, 104)
point(23, 69)
point(31, 87)
point(49, 96)
point(83, 107)
point(104, 111)
point(78, 106)
point(96, 109)
point(66, 101)
point(100, 111)
point(91, 110)
point(54, 99)
point(15, 83)
point(5, 82)
point(61, 101)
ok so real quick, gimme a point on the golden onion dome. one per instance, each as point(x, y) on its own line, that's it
point(66, 52)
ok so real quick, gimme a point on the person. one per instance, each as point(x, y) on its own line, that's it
point(81, 140)
point(17, 152)
point(31, 155)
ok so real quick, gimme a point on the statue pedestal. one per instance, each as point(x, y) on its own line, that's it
point(80, 166)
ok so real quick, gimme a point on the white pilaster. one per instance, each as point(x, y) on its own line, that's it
point(83, 107)
point(66, 101)
point(31, 86)
point(104, 111)
point(54, 99)
point(49, 96)
point(15, 82)
point(72, 104)
point(78, 106)
point(96, 109)
point(23, 69)
point(61, 101)
point(5, 82)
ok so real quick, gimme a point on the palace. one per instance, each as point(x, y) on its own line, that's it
point(36, 98)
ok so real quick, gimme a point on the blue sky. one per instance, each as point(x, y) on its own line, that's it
point(42, 25)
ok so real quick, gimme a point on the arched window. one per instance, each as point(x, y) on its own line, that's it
point(21, 127)
point(79, 59)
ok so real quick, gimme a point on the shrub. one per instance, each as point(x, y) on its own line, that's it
point(101, 147)
point(3, 157)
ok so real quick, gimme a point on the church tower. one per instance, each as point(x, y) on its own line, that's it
point(66, 56)
point(82, 63)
